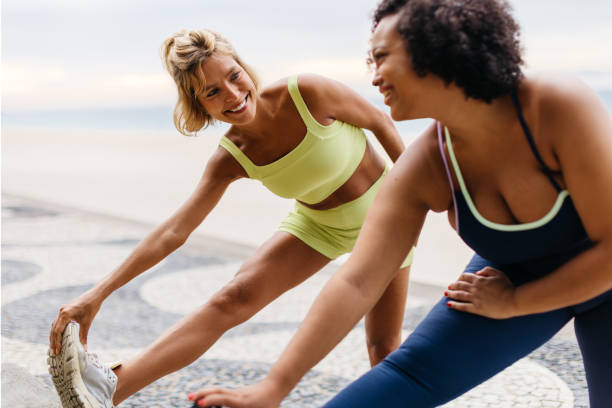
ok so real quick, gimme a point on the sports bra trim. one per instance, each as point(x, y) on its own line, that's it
point(563, 194)
point(313, 129)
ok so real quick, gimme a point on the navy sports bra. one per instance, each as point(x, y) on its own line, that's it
point(557, 237)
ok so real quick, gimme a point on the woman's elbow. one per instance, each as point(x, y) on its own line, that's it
point(172, 238)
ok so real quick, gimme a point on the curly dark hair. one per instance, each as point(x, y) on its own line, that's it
point(473, 43)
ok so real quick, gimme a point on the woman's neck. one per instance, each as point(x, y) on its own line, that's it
point(471, 120)
point(259, 126)
point(264, 121)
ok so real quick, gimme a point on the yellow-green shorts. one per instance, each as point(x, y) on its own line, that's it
point(333, 232)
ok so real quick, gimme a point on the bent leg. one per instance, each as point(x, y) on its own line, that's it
point(384, 322)
point(278, 265)
point(449, 353)
point(594, 334)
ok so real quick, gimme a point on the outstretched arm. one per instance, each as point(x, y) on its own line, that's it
point(342, 103)
point(220, 171)
point(391, 228)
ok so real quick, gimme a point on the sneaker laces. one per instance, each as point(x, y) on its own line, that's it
point(94, 360)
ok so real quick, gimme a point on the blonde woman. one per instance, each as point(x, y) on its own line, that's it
point(302, 138)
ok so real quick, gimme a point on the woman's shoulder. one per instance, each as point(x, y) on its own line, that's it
point(315, 90)
point(563, 106)
point(309, 86)
point(555, 93)
point(312, 87)
point(275, 89)
point(427, 168)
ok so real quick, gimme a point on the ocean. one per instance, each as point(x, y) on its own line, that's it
point(157, 118)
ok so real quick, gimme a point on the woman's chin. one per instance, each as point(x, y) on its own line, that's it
point(398, 114)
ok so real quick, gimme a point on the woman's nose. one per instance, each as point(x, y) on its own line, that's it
point(233, 93)
point(376, 79)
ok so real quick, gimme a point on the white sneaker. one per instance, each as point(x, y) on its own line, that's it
point(79, 378)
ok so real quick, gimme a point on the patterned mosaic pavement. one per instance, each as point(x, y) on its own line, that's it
point(51, 254)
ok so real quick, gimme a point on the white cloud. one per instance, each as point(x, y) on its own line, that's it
point(571, 51)
point(38, 5)
point(52, 86)
point(111, 58)
point(36, 86)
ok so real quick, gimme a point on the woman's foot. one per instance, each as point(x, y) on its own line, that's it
point(79, 378)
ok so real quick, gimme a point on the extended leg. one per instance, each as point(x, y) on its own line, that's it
point(277, 266)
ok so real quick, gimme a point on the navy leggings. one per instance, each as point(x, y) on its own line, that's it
point(451, 352)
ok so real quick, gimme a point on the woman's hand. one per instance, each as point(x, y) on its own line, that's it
point(81, 310)
point(487, 292)
point(261, 395)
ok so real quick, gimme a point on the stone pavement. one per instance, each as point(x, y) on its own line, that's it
point(51, 254)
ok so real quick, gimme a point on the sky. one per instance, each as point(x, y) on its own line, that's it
point(92, 54)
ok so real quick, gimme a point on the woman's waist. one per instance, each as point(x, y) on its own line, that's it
point(521, 271)
point(320, 169)
point(347, 215)
point(367, 173)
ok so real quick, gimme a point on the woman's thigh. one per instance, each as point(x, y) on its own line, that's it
point(279, 264)
point(449, 353)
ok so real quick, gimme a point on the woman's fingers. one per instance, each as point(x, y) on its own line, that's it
point(488, 293)
point(460, 285)
point(260, 395)
point(460, 295)
point(219, 400)
point(468, 277)
point(83, 331)
point(57, 329)
point(212, 397)
point(461, 306)
point(199, 394)
point(488, 271)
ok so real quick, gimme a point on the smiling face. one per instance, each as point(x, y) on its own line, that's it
point(229, 95)
point(394, 75)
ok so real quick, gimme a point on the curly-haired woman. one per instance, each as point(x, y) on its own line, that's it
point(302, 138)
point(522, 164)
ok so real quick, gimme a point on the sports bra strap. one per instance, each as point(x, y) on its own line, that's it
point(549, 173)
point(240, 157)
point(300, 104)
point(448, 173)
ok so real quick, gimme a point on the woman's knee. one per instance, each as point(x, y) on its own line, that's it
point(380, 347)
point(238, 299)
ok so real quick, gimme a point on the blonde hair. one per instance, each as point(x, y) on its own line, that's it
point(183, 54)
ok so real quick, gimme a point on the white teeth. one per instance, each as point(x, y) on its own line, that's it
point(239, 106)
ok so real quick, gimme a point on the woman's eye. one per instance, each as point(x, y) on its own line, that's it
point(235, 75)
point(374, 59)
point(212, 92)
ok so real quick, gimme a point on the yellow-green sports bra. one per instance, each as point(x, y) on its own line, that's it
point(322, 162)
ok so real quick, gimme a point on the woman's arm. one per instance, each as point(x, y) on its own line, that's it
point(582, 142)
point(390, 230)
point(220, 171)
point(342, 103)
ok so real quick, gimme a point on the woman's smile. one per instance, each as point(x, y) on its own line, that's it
point(241, 107)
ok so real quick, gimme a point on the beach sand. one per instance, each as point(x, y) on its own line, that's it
point(146, 175)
